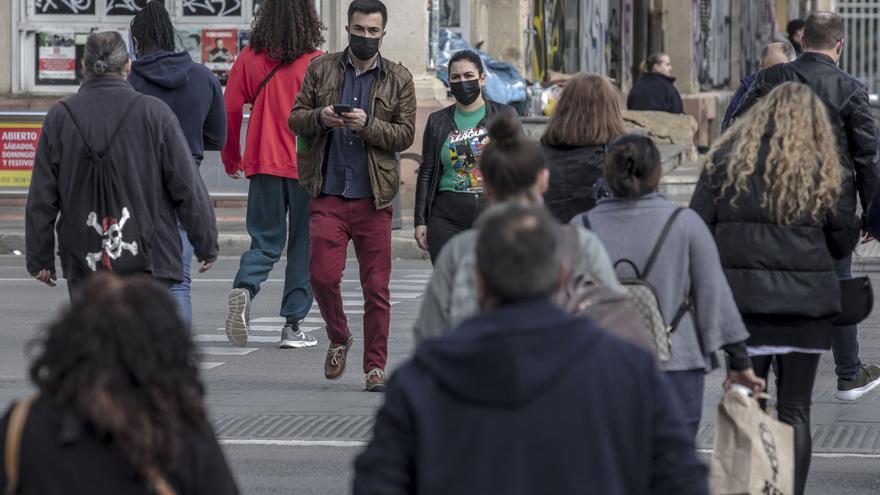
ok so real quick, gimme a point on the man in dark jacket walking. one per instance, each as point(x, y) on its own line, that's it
point(847, 102)
point(194, 95)
point(532, 396)
point(151, 155)
point(775, 53)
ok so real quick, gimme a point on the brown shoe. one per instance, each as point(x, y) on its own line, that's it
point(376, 380)
point(334, 364)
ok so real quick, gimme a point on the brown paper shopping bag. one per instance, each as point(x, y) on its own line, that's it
point(754, 453)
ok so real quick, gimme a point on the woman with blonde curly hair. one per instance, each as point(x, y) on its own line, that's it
point(771, 193)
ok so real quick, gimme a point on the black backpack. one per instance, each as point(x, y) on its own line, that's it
point(100, 227)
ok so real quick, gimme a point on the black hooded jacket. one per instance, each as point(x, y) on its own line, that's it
point(574, 170)
point(782, 276)
point(527, 399)
point(848, 107)
point(193, 93)
point(655, 92)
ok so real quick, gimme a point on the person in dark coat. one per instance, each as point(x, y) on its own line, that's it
point(846, 100)
point(449, 191)
point(586, 119)
point(778, 52)
point(526, 398)
point(120, 407)
point(150, 151)
point(193, 94)
point(795, 31)
point(780, 219)
point(655, 89)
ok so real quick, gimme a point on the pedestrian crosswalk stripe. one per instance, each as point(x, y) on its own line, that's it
point(225, 351)
point(222, 338)
point(208, 365)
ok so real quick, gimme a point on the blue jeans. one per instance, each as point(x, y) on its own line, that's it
point(845, 340)
point(182, 291)
point(278, 213)
point(688, 385)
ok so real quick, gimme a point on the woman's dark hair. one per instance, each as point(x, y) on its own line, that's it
point(632, 166)
point(467, 55)
point(152, 29)
point(368, 7)
point(286, 29)
point(105, 53)
point(652, 61)
point(120, 358)
point(794, 26)
point(588, 113)
point(511, 161)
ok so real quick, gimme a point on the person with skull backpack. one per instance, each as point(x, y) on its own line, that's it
point(113, 173)
point(671, 249)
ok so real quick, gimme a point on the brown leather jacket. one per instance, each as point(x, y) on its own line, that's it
point(391, 127)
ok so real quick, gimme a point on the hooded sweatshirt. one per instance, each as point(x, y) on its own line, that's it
point(527, 399)
point(193, 93)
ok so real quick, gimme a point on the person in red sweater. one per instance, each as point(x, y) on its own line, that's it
point(268, 75)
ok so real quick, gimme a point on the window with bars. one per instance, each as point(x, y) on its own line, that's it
point(861, 48)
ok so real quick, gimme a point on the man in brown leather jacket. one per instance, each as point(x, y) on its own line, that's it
point(355, 110)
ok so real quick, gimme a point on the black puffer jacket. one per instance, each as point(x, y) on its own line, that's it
point(440, 124)
point(782, 276)
point(655, 92)
point(573, 172)
point(850, 112)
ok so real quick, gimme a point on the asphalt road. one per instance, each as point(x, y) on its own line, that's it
point(276, 413)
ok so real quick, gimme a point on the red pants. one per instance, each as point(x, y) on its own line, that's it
point(333, 221)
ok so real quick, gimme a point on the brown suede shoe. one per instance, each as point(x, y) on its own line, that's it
point(334, 364)
point(376, 380)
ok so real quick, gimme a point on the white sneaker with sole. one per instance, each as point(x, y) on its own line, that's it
point(238, 320)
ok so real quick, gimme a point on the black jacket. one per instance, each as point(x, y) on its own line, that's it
point(193, 93)
point(656, 92)
point(527, 399)
point(61, 455)
point(573, 171)
point(155, 164)
point(850, 112)
point(782, 276)
point(440, 124)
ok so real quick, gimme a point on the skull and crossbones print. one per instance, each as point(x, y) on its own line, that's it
point(112, 245)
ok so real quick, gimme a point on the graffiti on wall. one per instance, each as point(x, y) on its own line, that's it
point(65, 7)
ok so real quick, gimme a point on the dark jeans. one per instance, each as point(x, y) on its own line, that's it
point(688, 385)
point(278, 214)
point(845, 340)
point(795, 377)
point(334, 221)
point(452, 213)
point(182, 291)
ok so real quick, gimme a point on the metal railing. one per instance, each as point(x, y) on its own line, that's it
point(861, 51)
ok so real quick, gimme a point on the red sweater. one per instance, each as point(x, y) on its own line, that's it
point(270, 147)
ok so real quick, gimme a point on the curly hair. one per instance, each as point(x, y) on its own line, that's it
point(121, 359)
point(802, 173)
point(286, 29)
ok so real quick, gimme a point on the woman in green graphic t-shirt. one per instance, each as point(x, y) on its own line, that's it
point(449, 194)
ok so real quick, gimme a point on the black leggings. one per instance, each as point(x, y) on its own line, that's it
point(795, 377)
point(451, 213)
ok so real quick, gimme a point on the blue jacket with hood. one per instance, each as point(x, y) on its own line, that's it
point(193, 93)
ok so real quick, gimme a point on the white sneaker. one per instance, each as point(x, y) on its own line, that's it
point(293, 338)
point(238, 320)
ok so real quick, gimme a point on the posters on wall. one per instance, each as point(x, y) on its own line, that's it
point(244, 40)
point(18, 148)
point(190, 40)
point(219, 48)
point(56, 56)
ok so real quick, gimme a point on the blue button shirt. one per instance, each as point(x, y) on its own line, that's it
point(346, 171)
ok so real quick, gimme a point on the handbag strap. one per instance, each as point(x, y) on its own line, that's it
point(115, 131)
point(660, 241)
point(12, 450)
point(266, 79)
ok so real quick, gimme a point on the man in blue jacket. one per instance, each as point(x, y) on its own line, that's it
point(778, 52)
point(525, 398)
point(194, 95)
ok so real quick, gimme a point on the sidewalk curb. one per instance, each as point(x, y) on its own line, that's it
point(403, 246)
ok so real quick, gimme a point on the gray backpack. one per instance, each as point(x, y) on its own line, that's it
point(644, 297)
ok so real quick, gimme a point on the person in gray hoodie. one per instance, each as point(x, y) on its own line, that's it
point(687, 267)
point(514, 172)
point(194, 95)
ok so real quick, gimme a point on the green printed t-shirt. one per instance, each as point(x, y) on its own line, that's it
point(461, 153)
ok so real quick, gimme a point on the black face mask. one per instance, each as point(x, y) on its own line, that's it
point(466, 92)
point(362, 47)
